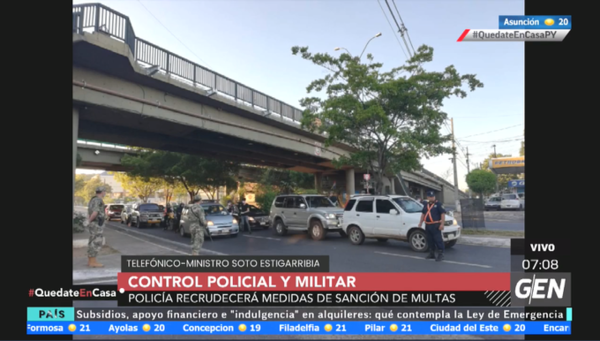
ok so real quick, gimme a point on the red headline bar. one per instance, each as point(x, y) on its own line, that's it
point(337, 281)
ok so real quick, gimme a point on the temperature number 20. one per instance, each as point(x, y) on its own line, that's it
point(563, 22)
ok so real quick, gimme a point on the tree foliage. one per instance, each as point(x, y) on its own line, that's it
point(391, 118)
point(88, 190)
point(481, 181)
point(140, 187)
point(193, 173)
point(287, 181)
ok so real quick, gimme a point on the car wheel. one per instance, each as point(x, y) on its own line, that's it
point(521, 208)
point(182, 231)
point(418, 241)
point(450, 244)
point(317, 232)
point(280, 229)
point(382, 240)
point(357, 237)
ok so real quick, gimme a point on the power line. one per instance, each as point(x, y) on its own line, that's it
point(403, 29)
point(174, 36)
point(399, 28)
point(494, 116)
point(513, 138)
point(392, 28)
point(492, 131)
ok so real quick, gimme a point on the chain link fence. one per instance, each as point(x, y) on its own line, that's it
point(472, 213)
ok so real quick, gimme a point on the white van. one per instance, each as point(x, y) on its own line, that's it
point(511, 202)
point(386, 217)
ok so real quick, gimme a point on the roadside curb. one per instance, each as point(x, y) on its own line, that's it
point(501, 242)
point(88, 275)
point(79, 243)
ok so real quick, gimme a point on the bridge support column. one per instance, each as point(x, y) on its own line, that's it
point(75, 134)
point(350, 183)
point(319, 182)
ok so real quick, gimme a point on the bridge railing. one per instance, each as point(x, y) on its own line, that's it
point(100, 18)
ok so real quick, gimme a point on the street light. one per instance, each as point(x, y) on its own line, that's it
point(363, 51)
point(367, 44)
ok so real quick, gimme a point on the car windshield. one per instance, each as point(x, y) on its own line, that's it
point(409, 205)
point(213, 209)
point(255, 209)
point(148, 208)
point(318, 202)
point(509, 197)
point(116, 207)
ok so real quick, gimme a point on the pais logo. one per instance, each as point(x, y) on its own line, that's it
point(541, 289)
point(51, 314)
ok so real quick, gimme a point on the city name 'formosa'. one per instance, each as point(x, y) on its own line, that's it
point(254, 282)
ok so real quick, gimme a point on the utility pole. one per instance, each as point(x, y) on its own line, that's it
point(468, 168)
point(456, 197)
point(495, 156)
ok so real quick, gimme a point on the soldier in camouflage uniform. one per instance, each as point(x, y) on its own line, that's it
point(95, 222)
point(198, 225)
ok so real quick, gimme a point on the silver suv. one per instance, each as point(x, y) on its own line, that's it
point(313, 213)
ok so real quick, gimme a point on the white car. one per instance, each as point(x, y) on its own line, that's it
point(397, 217)
point(512, 202)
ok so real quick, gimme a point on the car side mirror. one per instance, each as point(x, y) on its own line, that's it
point(302, 206)
point(394, 212)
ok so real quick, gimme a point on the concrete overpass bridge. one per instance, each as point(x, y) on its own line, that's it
point(129, 91)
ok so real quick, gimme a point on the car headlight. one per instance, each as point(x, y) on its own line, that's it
point(331, 216)
point(210, 223)
point(250, 219)
point(235, 221)
point(454, 222)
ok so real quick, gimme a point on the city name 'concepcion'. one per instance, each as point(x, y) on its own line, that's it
point(169, 282)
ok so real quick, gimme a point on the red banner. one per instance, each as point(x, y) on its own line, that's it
point(336, 281)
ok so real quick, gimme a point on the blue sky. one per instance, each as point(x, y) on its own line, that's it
point(250, 41)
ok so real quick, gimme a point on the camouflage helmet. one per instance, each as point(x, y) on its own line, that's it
point(197, 198)
point(100, 189)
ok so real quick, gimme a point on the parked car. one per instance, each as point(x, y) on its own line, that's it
point(220, 223)
point(522, 199)
point(313, 213)
point(126, 214)
point(147, 214)
point(113, 211)
point(397, 217)
point(493, 204)
point(511, 202)
point(256, 217)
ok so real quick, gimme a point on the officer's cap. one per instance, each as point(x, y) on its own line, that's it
point(430, 194)
point(197, 198)
point(100, 189)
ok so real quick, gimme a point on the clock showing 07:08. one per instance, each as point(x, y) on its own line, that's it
point(539, 264)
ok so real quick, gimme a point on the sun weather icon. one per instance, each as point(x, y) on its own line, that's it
point(549, 22)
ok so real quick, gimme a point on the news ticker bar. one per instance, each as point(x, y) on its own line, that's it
point(318, 299)
point(52, 314)
point(513, 35)
point(534, 22)
point(225, 264)
point(303, 328)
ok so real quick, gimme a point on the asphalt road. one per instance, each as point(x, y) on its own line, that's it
point(372, 256)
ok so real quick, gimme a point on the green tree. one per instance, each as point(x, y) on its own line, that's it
point(89, 189)
point(287, 181)
point(503, 179)
point(140, 187)
point(481, 181)
point(392, 118)
point(193, 173)
point(522, 150)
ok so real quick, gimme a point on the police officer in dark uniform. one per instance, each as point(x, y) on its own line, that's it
point(434, 216)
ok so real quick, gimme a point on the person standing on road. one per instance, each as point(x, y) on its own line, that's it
point(95, 224)
point(244, 210)
point(434, 216)
point(198, 225)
